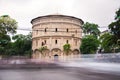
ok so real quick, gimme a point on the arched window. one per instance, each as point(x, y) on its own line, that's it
point(56, 30)
point(36, 42)
point(45, 30)
point(45, 41)
point(42, 44)
point(67, 41)
point(76, 31)
point(75, 42)
point(55, 41)
point(67, 29)
point(36, 32)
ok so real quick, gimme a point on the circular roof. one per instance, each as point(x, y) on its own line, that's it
point(57, 15)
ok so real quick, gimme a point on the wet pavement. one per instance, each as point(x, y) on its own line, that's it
point(67, 73)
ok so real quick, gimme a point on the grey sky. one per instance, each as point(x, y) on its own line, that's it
point(101, 12)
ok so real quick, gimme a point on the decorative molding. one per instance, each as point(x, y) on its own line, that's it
point(56, 37)
point(50, 23)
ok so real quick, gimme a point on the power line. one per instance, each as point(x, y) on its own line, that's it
point(103, 27)
point(23, 29)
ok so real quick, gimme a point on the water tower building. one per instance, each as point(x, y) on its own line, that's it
point(51, 32)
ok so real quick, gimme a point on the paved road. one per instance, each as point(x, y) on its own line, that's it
point(108, 67)
point(57, 74)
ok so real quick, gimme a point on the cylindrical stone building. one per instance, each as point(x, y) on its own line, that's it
point(51, 32)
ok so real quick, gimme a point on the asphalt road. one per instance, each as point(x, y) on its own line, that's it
point(57, 74)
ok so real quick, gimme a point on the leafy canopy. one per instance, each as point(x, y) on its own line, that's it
point(7, 25)
point(89, 44)
point(66, 48)
point(91, 29)
point(42, 48)
point(22, 44)
point(115, 26)
point(108, 42)
point(115, 30)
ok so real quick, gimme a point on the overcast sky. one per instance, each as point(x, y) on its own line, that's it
point(101, 12)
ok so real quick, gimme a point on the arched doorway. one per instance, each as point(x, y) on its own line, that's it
point(67, 53)
point(46, 52)
point(36, 54)
point(56, 57)
point(76, 51)
point(55, 53)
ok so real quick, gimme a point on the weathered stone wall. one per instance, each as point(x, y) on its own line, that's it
point(54, 31)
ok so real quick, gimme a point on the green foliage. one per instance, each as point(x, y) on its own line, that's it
point(108, 42)
point(115, 26)
point(22, 44)
point(117, 17)
point(1, 50)
point(7, 25)
point(66, 48)
point(111, 40)
point(89, 44)
point(41, 49)
point(4, 40)
point(91, 29)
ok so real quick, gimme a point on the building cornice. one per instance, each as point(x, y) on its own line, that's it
point(55, 16)
point(55, 36)
point(43, 23)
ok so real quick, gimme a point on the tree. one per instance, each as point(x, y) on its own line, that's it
point(108, 42)
point(41, 49)
point(66, 48)
point(4, 39)
point(91, 29)
point(22, 44)
point(10, 50)
point(7, 25)
point(115, 28)
point(89, 44)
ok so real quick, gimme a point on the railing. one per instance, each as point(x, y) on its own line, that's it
point(104, 57)
point(23, 61)
point(109, 57)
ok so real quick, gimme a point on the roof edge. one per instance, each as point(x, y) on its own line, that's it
point(57, 15)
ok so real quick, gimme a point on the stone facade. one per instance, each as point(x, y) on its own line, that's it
point(54, 31)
